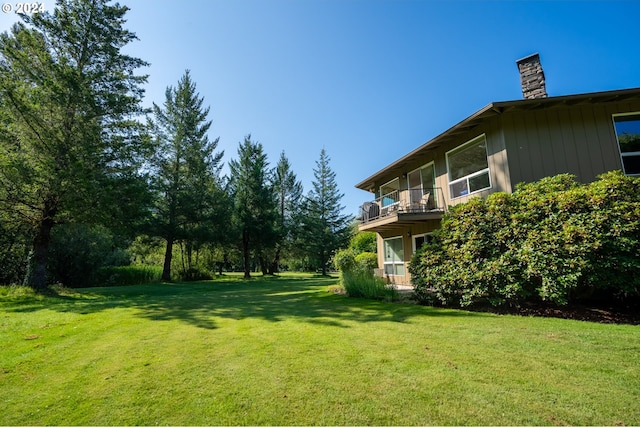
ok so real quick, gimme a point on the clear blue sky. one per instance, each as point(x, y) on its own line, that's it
point(370, 80)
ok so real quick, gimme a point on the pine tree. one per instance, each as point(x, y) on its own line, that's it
point(190, 204)
point(324, 228)
point(70, 144)
point(254, 208)
point(288, 192)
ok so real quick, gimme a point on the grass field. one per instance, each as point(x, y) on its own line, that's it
point(285, 351)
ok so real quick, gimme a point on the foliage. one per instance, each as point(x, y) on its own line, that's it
point(254, 216)
point(14, 247)
point(367, 260)
point(363, 241)
point(359, 283)
point(127, 275)
point(70, 145)
point(288, 194)
point(324, 228)
point(554, 240)
point(78, 251)
point(191, 206)
point(357, 276)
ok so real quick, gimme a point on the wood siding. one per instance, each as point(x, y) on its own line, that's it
point(578, 139)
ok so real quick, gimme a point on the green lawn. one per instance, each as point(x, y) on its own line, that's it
point(285, 351)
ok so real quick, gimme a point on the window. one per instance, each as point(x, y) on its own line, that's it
point(422, 181)
point(420, 239)
point(393, 257)
point(468, 168)
point(628, 134)
point(389, 192)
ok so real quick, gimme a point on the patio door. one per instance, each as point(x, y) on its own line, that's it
point(421, 181)
point(393, 257)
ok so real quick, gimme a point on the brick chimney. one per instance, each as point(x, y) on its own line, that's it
point(532, 77)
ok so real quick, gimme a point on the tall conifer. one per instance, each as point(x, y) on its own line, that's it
point(69, 143)
point(190, 203)
point(324, 228)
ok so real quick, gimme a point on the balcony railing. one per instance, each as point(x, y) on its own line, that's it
point(403, 201)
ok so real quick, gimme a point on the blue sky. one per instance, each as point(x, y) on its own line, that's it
point(370, 80)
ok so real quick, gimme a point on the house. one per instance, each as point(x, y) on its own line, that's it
point(494, 149)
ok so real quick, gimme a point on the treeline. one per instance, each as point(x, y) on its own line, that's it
point(89, 179)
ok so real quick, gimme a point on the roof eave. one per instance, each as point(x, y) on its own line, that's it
point(496, 108)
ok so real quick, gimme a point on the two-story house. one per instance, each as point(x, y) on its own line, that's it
point(492, 150)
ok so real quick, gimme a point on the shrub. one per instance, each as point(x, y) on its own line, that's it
point(364, 284)
point(363, 241)
point(77, 251)
point(554, 240)
point(357, 278)
point(128, 275)
point(344, 260)
point(366, 261)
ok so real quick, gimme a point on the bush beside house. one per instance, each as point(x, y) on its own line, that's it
point(553, 240)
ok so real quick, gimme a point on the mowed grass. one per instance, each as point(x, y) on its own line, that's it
point(285, 351)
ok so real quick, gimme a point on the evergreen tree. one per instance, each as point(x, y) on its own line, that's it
point(70, 145)
point(254, 208)
point(324, 228)
point(288, 192)
point(190, 204)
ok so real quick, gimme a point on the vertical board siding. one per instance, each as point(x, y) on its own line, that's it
point(579, 140)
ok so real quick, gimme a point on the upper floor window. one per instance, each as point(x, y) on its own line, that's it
point(468, 168)
point(628, 134)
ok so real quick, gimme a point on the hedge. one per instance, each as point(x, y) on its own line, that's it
point(553, 240)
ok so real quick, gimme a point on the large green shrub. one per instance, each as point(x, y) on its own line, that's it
point(363, 241)
point(554, 240)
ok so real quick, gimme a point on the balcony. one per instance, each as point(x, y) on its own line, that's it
point(401, 208)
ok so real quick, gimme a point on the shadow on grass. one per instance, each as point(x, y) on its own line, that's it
point(199, 303)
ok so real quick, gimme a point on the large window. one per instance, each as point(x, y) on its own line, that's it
point(628, 134)
point(468, 168)
point(393, 257)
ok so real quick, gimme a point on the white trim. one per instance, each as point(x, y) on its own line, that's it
point(415, 236)
point(382, 196)
point(394, 263)
point(615, 131)
point(487, 170)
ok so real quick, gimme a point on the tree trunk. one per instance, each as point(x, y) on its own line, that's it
point(245, 254)
point(168, 255)
point(324, 263)
point(273, 268)
point(263, 266)
point(37, 269)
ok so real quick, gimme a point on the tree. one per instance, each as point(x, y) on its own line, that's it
point(324, 228)
point(190, 205)
point(288, 192)
point(70, 144)
point(254, 209)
